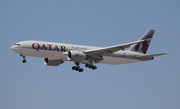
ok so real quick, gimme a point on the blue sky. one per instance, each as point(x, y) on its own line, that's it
point(150, 85)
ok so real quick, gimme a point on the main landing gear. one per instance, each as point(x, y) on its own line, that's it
point(24, 58)
point(78, 68)
point(91, 66)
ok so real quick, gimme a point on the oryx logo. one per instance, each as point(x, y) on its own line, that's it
point(143, 46)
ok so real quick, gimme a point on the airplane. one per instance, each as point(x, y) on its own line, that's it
point(55, 54)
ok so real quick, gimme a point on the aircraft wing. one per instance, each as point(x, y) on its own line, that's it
point(110, 49)
point(151, 55)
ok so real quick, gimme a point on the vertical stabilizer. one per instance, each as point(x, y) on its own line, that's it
point(142, 47)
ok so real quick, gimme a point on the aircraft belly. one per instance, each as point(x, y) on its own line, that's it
point(113, 60)
point(132, 61)
point(117, 60)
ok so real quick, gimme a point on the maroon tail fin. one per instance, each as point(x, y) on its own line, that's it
point(142, 47)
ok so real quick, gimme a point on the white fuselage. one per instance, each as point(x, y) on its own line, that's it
point(58, 51)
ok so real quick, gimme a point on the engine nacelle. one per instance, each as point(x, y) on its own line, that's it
point(76, 56)
point(52, 62)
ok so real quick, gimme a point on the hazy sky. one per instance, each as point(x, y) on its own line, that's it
point(146, 85)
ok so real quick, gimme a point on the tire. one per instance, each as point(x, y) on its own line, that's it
point(87, 65)
point(94, 67)
point(77, 68)
point(24, 61)
point(81, 70)
point(90, 66)
point(74, 67)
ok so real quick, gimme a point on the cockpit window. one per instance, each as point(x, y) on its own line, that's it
point(17, 44)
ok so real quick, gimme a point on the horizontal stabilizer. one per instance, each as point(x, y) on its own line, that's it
point(151, 55)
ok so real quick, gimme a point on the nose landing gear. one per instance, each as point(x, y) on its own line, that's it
point(24, 58)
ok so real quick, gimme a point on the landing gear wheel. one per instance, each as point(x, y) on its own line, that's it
point(86, 65)
point(74, 67)
point(94, 68)
point(90, 66)
point(24, 61)
point(77, 68)
point(81, 70)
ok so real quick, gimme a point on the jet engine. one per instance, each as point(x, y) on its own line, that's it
point(52, 62)
point(76, 56)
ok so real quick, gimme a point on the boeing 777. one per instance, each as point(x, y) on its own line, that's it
point(55, 54)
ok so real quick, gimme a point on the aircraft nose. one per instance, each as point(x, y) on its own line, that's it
point(13, 48)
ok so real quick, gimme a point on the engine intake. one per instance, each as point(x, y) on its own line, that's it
point(52, 62)
point(76, 56)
